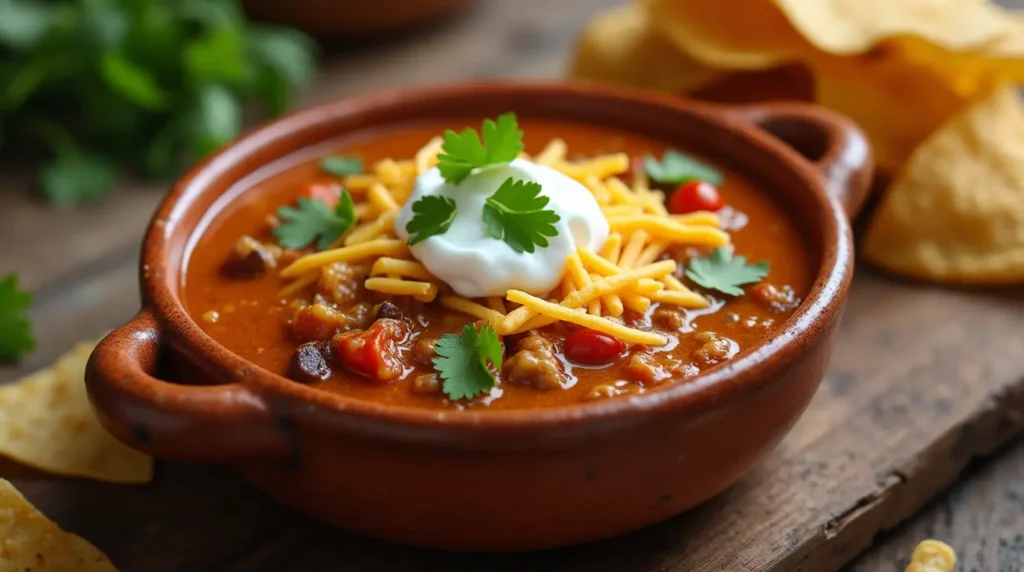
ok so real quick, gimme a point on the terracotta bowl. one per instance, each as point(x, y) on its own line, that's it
point(479, 480)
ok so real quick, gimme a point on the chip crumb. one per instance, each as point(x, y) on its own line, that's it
point(34, 543)
point(932, 556)
point(46, 423)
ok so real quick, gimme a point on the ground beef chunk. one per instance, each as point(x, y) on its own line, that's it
point(250, 258)
point(342, 283)
point(317, 322)
point(716, 349)
point(670, 319)
point(776, 299)
point(423, 351)
point(534, 364)
point(310, 361)
point(648, 369)
point(427, 384)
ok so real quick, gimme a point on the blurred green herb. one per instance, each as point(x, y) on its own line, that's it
point(15, 329)
point(149, 84)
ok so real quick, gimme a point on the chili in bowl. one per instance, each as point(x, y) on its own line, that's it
point(578, 306)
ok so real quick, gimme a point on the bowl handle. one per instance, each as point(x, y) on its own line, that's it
point(830, 142)
point(202, 423)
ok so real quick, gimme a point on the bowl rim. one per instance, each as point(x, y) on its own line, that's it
point(748, 372)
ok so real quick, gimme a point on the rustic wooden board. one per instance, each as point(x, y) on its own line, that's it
point(923, 381)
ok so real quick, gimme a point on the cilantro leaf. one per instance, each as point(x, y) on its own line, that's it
point(515, 214)
point(15, 330)
point(312, 219)
point(462, 361)
point(675, 168)
point(721, 271)
point(432, 215)
point(341, 166)
point(463, 152)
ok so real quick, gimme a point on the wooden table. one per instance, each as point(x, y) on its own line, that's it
point(924, 380)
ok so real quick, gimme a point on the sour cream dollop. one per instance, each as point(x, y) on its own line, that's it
point(475, 264)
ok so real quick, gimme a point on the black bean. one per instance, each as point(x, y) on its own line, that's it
point(389, 310)
point(310, 362)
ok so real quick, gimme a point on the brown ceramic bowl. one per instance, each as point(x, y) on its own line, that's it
point(503, 480)
point(334, 17)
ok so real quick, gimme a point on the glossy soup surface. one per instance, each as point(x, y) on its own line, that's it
point(252, 321)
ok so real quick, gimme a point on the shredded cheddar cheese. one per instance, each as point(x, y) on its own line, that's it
point(629, 272)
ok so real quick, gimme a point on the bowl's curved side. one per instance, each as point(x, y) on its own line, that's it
point(548, 495)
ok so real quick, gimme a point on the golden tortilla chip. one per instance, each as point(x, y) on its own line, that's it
point(895, 102)
point(728, 34)
point(619, 46)
point(846, 27)
point(30, 542)
point(956, 211)
point(46, 423)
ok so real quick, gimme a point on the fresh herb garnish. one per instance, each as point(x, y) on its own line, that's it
point(431, 215)
point(341, 166)
point(15, 330)
point(463, 152)
point(722, 271)
point(314, 220)
point(148, 85)
point(515, 213)
point(462, 361)
point(675, 168)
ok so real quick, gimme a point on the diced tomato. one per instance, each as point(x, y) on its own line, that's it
point(591, 347)
point(693, 196)
point(374, 352)
point(326, 191)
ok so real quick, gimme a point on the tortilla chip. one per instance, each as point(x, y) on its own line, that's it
point(846, 27)
point(30, 542)
point(46, 423)
point(897, 103)
point(956, 211)
point(728, 34)
point(619, 46)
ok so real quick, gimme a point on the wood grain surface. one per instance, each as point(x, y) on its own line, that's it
point(924, 382)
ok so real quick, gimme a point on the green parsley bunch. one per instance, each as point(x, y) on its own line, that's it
point(149, 84)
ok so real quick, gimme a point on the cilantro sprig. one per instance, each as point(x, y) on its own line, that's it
point(313, 220)
point(431, 216)
point(675, 168)
point(515, 213)
point(463, 152)
point(722, 271)
point(15, 329)
point(465, 361)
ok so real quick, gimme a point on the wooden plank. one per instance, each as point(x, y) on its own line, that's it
point(982, 518)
